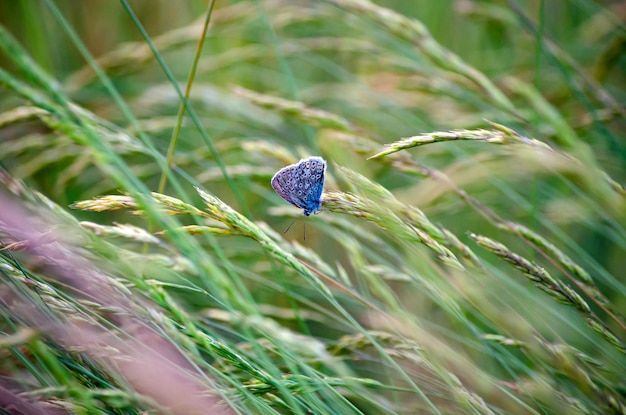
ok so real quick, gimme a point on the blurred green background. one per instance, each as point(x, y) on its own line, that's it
point(95, 111)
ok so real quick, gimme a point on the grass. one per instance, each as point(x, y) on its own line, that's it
point(468, 257)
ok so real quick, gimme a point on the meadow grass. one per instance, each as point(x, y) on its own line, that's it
point(468, 257)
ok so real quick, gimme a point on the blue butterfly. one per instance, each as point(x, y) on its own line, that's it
point(301, 184)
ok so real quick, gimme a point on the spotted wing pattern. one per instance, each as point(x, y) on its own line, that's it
point(301, 184)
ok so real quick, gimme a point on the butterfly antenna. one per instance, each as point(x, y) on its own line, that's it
point(290, 225)
point(305, 229)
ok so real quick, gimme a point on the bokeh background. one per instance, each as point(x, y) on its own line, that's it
point(474, 265)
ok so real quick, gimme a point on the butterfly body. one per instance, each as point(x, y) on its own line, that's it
point(301, 184)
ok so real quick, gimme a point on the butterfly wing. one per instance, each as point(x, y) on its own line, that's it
point(314, 185)
point(301, 184)
point(283, 183)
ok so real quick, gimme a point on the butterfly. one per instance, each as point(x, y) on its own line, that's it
point(301, 184)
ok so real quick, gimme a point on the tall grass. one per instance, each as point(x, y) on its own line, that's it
point(468, 258)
